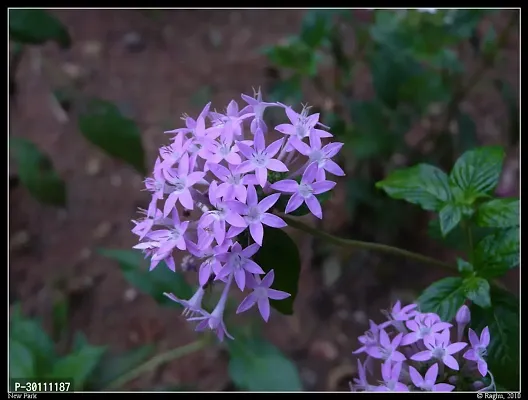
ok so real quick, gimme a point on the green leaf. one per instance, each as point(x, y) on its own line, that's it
point(443, 297)
point(34, 26)
point(499, 213)
point(456, 239)
point(464, 267)
point(32, 336)
point(316, 27)
point(503, 322)
point(478, 291)
point(450, 216)
point(36, 172)
point(256, 365)
point(103, 125)
point(497, 253)
point(422, 184)
point(295, 55)
point(78, 365)
point(477, 172)
point(279, 252)
point(154, 283)
point(113, 367)
point(21, 362)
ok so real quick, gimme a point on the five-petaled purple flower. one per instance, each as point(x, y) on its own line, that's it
point(386, 350)
point(478, 349)
point(428, 382)
point(439, 347)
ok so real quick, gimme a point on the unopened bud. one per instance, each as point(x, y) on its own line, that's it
point(463, 316)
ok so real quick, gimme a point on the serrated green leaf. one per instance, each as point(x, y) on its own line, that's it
point(21, 361)
point(36, 172)
point(422, 184)
point(154, 283)
point(104, 126)
point(450, 216)
point(478, 291)
point(34, 26)
point(503, 322)
point(279, 252)
point(78, 365)
point(477, 171)
point(465, 268)
point(443, 297)
point(499, 213)
point(497, 253)
point(32, 336)
point(256, 365)
point(112, 367)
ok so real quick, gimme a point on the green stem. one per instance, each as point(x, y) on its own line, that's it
point(156, 361)
point(469, 235)
point(295, 223)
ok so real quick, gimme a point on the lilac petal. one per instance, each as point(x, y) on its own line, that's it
point(240, 191)
point(186, 199)
point(268, 202)
point(397, 340)
point(332, 149)
point(395, 375)
point(219, 231)
point(286, 185)
point(183, 166)
point(322, 186)
point(410, 338)
point(416, 378)
point(257, 232)
point(264, 308)
point(473, 338)
point(273, 221)
point(250, 250)
point(277, 294)
point(220, 171)
point(398, 356)
point(483, 367)
point(252, 198)
point(258, 143)
point(333, 168)
point(240, 279)
point(374, 351)
point(294, 203)
point(180, 244)
point(422, 356)
point(276, 165)
point(262, 175)
point(245, 167)
point(309, 173)
point(204, 273)
point(432, 373)
point(314, 206)
point(247, 303)
point(235, 219)
point(234, 231)
point(274, 148)
point(253, 267)
point(412, 325)
point(194, 177)
point(440, 326)
point(384, 338)
point(170, 203)
point(485, 337)
point(455, 347)
point(300, 146)
point(386, 371)
point(400, 387)
point(360, 350)
point(237, 207)
point(292, 115)
point(451, 362)
point(287, 129)
point(233, 158)
point(268, 279)
point(245, 150)
point(321, 133)
point(443, 387)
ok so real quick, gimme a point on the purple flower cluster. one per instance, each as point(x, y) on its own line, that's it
point(220, 170)
point(420, 352)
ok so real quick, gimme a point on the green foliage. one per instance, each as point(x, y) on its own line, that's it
point(450, 216)
point(423, 184)
point(36, 172)
point(279, 252)
point(34, 26)
point(443, 297)
point(503, 322)
point(257, 365)
point(478, 291)
point(499, 213)
point(154, 283)
point(102, 124)
point(497, 253)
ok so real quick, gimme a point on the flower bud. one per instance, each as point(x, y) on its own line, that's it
point(463, 315)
